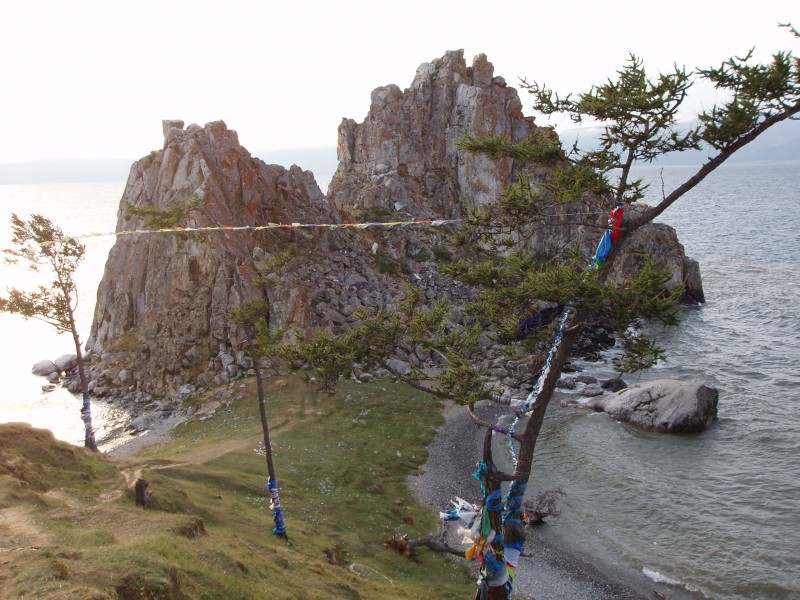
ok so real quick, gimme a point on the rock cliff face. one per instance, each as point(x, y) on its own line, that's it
point(161, 323)
point(404, 157)
point(403, 161)
point(163, 302)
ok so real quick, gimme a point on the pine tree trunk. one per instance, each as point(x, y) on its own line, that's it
point(89, 440)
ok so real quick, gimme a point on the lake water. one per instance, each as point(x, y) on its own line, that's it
point(77, 208)
point(715, 512)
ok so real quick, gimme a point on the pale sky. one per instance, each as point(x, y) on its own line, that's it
point(94, 79)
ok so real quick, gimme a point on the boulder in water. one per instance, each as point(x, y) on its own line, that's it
point(663, 405)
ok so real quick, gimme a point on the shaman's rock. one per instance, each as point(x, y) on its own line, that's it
point(162, 322)
point(403, 161)
point(163, 304)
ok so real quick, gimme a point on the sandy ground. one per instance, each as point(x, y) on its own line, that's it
point(549, 569)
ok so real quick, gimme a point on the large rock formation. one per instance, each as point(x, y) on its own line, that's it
point(161, 322)
point(403, 161)
point(162, 306)
point(404, 157)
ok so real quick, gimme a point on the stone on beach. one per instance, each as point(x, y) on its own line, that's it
point(43, 368)
point(66, 362)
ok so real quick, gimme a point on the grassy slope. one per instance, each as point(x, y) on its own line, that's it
point(69, 527)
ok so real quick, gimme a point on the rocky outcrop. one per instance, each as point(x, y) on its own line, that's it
point(660, 241)
point(43, 368)
point(162, 306)
point(161, 323)
point(403, 161)
point(664, 405)
point(404, 157)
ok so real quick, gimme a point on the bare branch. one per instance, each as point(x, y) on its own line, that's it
point(709, 167)
point(436, 546)
point(415, 384)
point(490, 426)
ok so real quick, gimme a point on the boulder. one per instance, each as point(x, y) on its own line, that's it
point(66, 362)
point(566, 383)
point(399, 366)
point(663, 405)
point(141, 423)
point(614, 385)
point(592, 390)
point(43, 368)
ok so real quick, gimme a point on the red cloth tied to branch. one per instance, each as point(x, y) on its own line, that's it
point(615, 221)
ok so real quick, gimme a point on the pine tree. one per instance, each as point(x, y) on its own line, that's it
point(42, 244)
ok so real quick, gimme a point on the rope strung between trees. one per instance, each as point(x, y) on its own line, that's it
point(272, 226)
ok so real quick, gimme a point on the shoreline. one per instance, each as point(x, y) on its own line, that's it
point(551, 567)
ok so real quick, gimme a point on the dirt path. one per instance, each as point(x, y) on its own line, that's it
point(196, 457)
point(19, 531)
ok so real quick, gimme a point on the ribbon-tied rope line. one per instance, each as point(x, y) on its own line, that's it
point(272, 226)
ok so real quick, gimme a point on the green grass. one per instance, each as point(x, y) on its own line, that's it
point(342, 462)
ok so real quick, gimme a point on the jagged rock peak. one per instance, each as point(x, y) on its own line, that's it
point(404, 157)
point(168, 124)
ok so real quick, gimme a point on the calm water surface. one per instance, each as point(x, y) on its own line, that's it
point(718, 512)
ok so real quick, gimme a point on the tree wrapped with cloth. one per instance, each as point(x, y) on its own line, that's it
point(639, 116)
point(42, 244)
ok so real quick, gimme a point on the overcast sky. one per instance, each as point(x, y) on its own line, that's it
point(94, 79)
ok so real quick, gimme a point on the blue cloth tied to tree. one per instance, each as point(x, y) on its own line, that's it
point(275, 505)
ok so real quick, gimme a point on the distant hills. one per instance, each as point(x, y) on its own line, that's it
point(780, 143)
point(320, 161)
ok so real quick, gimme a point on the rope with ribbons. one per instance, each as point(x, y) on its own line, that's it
point(86, 417)
point(272, 226)
point(275, 507)
point(611, 236)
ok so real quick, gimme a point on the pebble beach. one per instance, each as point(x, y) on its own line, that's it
point(550, 568)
